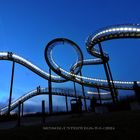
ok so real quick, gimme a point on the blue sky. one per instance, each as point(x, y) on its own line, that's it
point(26, 26)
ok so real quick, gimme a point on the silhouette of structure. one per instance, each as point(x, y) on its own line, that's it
point(93, 103)
point(137, 91)
point(108, 33)
point(76, 105)
point(43, 111)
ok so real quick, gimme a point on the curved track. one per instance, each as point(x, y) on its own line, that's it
point(113, 32)
point(44, 91)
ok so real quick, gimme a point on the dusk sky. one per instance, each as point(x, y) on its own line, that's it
point(26, 26)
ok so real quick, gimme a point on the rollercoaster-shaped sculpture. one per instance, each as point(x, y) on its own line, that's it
point(108, 33)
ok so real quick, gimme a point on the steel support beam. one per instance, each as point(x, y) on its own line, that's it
point(19, 108)
point(83, 91)
point(107, 73)
point(99, 95)
point(11, 88)
point(50, 93)
point(22, 109)
point(43, 111)
point(113, 86)
point(74, 88)
point(66, 98)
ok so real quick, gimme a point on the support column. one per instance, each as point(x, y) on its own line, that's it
point(83, 91)
point(136, 89)
point(19, 119)
point(66, 98)
point(111, 77)
point(43, 111)
point(50, 93)
point(74, 89)
point(99, 95)
point(11, 88)
point(22, 109)
point(106, 71)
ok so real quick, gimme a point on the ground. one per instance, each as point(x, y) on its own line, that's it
point(113, 125)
